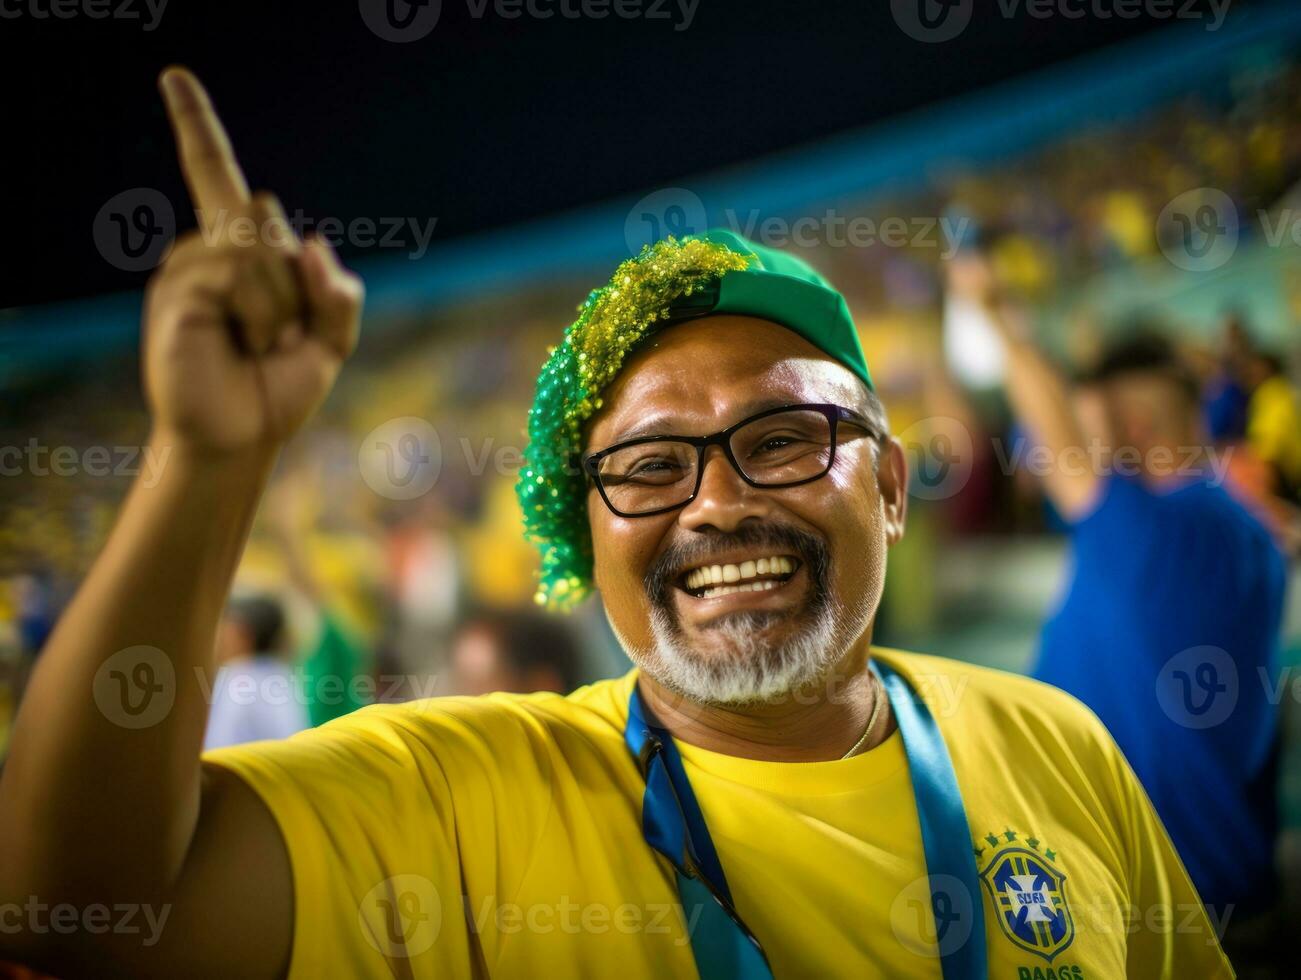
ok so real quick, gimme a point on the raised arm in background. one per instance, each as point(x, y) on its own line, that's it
point(242, 340)
point(1036, 389)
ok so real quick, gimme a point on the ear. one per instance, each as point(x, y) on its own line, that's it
point(892, 483)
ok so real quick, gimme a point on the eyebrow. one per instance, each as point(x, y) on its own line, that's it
point(661, 425)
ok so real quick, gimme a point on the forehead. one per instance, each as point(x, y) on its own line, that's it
point(1134, 386)
point(705, 374)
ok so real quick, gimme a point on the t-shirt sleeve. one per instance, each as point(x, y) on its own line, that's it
point(1171, 934)
point(384, 854)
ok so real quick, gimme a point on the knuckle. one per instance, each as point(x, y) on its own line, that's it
point(348, 287)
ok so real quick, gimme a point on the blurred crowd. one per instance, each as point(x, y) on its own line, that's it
point(432, 595)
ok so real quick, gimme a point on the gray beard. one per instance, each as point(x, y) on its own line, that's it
point(750, 669)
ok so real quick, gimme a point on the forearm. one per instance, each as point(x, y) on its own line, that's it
point(1041, 401)
point(91, 806)
point(1039, 396)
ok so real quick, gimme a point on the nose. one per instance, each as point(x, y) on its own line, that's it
point(724, 499)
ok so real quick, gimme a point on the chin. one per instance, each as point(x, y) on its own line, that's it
point(744, 657)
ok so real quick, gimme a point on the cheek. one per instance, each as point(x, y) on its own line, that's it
point(622, 549)
point(845, 507)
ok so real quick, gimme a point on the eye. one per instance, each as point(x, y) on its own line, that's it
point(648, 466)
point(657, 469)
point(775, 442)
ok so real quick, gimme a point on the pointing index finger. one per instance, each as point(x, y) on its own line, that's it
point(211, 171)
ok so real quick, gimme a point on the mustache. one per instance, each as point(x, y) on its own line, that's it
point(811, 550)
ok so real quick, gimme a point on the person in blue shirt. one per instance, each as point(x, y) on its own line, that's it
point(1169, 625)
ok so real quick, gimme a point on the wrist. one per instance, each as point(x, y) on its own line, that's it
point(231, 470)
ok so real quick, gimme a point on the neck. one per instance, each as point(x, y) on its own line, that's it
point(818, 723)
point(1182, 468)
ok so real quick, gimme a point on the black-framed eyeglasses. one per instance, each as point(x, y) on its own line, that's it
point(781, 447)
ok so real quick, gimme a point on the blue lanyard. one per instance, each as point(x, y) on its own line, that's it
point(723, 945)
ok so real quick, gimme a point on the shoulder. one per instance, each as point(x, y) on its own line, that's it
point(487, 728)
point(470, 752)
point(1216, 510)
point(983, 704)
point(1012, 736)
point(932, 675)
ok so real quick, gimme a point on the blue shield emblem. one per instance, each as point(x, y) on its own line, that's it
point(1029, 895)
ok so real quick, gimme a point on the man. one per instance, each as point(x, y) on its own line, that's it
point(516, 650)
point(767, 795)
point(1169, 626)
point(254, 695)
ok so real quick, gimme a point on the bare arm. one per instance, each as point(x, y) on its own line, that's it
point(1038, 392)
point(103, 800)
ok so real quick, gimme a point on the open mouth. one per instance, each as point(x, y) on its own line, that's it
point(753, 575)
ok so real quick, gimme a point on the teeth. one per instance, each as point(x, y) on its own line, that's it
point(731, 574)
point(743, 587)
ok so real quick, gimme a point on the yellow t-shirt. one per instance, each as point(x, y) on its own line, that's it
point(501, 836)
point(1274, 427)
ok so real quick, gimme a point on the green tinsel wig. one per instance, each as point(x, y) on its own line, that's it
point(552, 490)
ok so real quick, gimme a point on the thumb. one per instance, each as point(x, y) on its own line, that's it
point(334, 296)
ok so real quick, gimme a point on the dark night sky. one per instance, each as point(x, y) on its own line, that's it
point(484, 122)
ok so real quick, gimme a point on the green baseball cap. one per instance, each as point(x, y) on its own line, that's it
point(781, 288)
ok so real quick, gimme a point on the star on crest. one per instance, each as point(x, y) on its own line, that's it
point(1008, 836)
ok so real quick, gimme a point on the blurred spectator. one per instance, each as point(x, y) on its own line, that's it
point(1274, 420)
point(424, 582)
point(255, 695)
point(1171, 579)
point(1224, 397)
point(514, 650)
point(336, 662)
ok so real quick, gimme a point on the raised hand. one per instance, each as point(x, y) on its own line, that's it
point(246, 327)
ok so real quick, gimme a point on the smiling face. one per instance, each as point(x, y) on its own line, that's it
point(801, 568)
